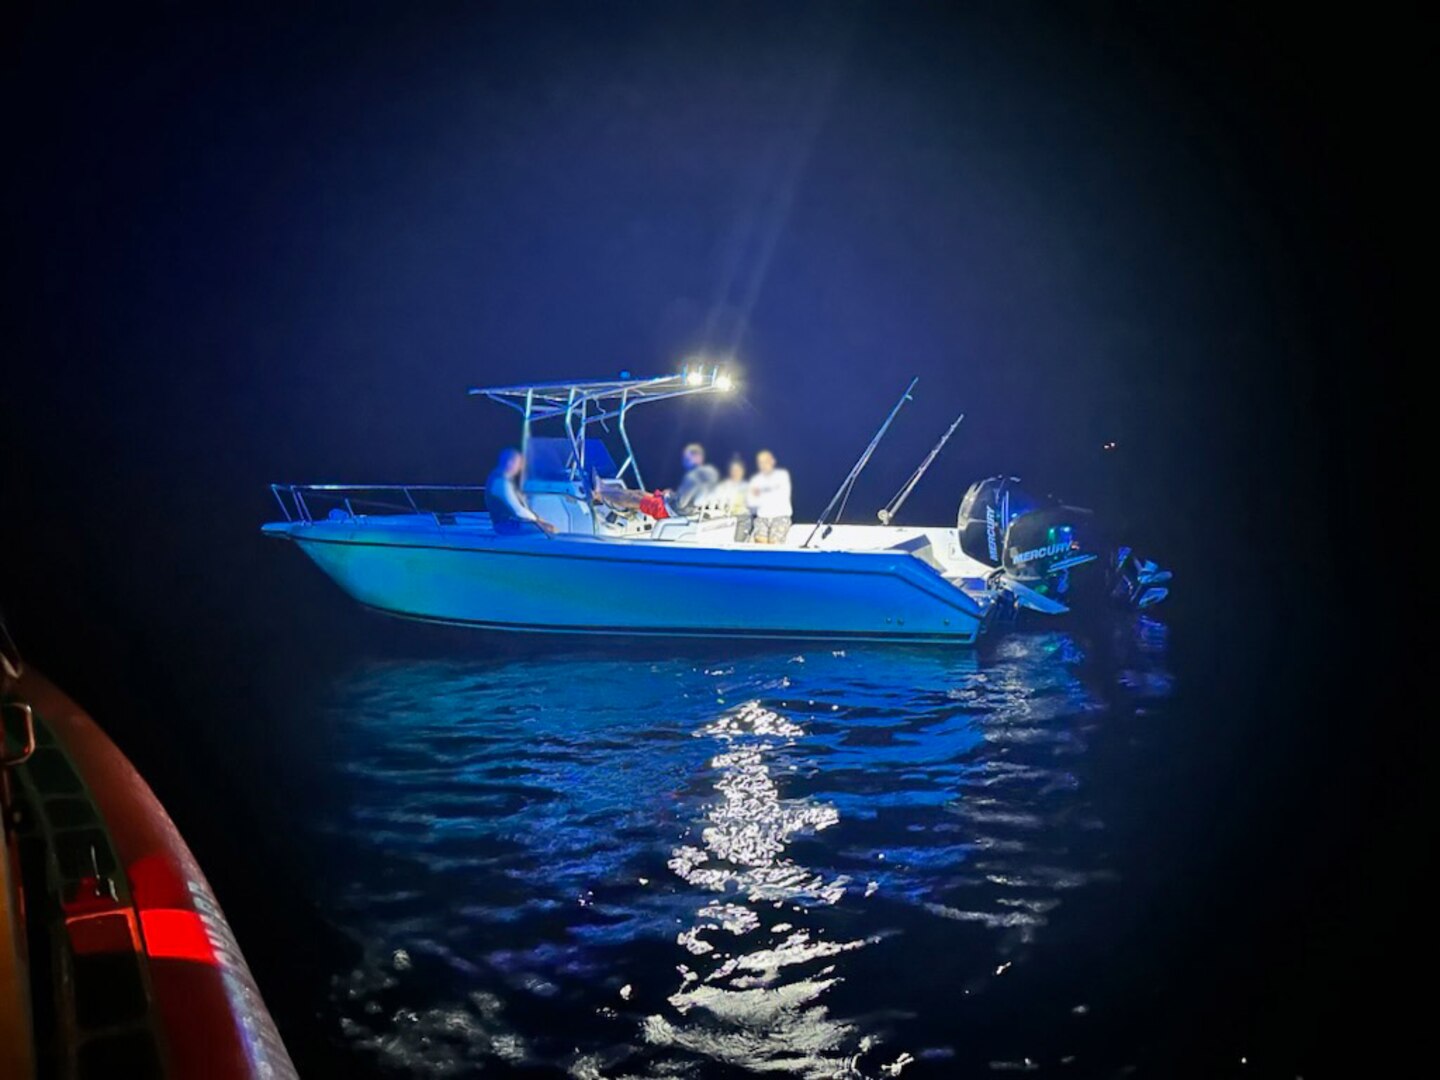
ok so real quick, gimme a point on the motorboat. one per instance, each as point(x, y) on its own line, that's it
point(429, 553)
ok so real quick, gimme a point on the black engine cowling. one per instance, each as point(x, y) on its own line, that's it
point(986, 512)
point(1053, 550)
point(1053, 554)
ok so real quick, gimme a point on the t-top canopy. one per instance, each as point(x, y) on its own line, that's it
point(541, 401)
point(580, 404)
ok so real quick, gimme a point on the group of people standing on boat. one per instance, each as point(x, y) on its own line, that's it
point(760, 502)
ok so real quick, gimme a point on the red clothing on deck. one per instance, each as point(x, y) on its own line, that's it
point(654, 505)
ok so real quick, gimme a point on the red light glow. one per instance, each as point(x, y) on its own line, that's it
point(173, 934)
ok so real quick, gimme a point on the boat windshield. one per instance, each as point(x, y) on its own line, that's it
point(552, 461)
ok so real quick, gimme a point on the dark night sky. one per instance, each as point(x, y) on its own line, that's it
point(253, 247)
point(281, 247)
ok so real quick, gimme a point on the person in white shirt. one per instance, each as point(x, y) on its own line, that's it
point(769, 500)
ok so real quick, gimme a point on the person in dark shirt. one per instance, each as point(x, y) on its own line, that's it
point(509, 512)
point(699, 480)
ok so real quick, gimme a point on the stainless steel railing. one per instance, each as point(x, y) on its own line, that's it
point(357, 500)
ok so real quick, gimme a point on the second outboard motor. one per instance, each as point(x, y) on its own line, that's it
point(1137, 582)
point(1051, 557)
point(1045, 548)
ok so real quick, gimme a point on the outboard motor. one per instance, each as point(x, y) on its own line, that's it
point(1137, 582)
point(1045, 550)
point(1051, 557)
point(986, 512)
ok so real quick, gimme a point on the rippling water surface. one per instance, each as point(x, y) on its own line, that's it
point(818, 863)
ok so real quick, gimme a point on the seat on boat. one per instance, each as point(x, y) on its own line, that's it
point(700, 530)
point(610, 486)
point(555, 484)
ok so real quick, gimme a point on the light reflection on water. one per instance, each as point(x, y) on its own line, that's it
point(613, 867)
point(739, 1008)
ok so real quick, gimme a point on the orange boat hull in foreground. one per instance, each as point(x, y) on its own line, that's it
point(140, 973)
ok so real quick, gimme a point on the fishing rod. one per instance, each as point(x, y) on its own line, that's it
point(893, 506)
point(842, 495)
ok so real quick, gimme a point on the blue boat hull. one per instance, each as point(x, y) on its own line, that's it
point(414, 568)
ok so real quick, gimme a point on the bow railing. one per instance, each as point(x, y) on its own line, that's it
point(303, 502)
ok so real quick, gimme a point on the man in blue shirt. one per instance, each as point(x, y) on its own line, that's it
point(509, 513)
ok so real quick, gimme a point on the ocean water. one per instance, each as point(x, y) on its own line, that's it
point(797, 862)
